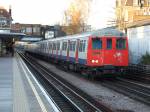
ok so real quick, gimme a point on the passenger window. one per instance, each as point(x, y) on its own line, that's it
point(109, 43)
point(121, 44)
point(96, 43)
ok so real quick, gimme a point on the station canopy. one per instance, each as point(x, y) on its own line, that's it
point(11, 35)
point(31, 39)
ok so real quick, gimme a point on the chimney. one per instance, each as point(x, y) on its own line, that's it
point(10, 10)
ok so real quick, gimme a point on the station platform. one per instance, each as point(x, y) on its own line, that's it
point(19, 89)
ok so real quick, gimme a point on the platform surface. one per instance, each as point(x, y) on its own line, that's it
point(19, 92)
point(6, 84)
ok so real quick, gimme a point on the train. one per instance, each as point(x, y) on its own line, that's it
point(96, 53)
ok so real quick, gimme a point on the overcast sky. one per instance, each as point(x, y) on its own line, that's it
point(51, 11)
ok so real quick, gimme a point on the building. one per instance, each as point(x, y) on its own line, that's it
point(5, 20)
point(28, 29)
point(16, 28)
point(139, 40)
point(133, 16)
point(7, 37)
point(128, 12)
point(52, 31)
point(38, 30)
point(5, 24)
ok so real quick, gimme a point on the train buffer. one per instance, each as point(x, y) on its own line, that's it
point(19, 90)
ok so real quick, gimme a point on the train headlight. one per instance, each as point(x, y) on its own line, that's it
point(96, 61)
point(93, 61)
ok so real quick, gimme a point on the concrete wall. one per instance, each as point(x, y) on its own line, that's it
point(139, 42)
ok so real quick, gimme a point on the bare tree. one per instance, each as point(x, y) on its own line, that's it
point(75, 17)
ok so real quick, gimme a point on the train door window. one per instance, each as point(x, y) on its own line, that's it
point(96, 43)
point(44, 45)
point(64, 46)
point(58, 46)
point(109, 44)
point(72, 46)
point(49, 46)
point(82, 45)
point(121, 43)
point(54, 46)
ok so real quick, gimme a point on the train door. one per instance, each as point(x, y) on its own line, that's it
point(82, 51)
point(51, 47)
point(109, 50)
point(46, 47)
point(72, 53)
point(58, 49)
point(64, 49)
point(54, 49)
point(121, 54)
point(95, 51)
point(76, 50)
point(68, 50)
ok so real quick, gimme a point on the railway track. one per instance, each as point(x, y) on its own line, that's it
point(67, 97)
point(144, 79)
point(134, 90)
point(139, 73)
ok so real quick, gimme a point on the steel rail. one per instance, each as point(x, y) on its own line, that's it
point(131, 89)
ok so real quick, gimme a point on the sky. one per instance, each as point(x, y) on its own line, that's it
point(50, 12)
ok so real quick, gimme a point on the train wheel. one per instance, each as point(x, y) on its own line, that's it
point(71, 67)
point(93, 75)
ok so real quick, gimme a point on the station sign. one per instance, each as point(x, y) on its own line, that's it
point(49, 34)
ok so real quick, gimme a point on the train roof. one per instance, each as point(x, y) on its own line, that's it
point(108, 32)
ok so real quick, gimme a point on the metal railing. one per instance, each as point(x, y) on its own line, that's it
point(139, 69)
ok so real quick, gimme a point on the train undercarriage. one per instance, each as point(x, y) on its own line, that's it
point(89, 71)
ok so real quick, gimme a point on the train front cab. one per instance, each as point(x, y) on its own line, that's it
point(107, 55)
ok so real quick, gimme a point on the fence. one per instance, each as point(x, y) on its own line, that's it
point(138, 69)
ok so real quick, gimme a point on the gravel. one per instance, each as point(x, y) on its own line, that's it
point(112, 99)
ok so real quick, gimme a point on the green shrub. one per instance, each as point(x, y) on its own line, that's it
point(146, 59)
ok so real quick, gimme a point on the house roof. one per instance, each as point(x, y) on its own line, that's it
point(4, 13)
point(6, 34)
point(139, 23)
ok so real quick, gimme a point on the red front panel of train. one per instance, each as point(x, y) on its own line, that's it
point(107, 51)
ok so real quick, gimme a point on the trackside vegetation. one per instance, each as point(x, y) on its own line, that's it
point(145, 59)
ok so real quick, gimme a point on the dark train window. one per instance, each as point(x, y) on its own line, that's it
point(96, 43)
point(64, 46)
point(121, 44)
point(109, 43)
